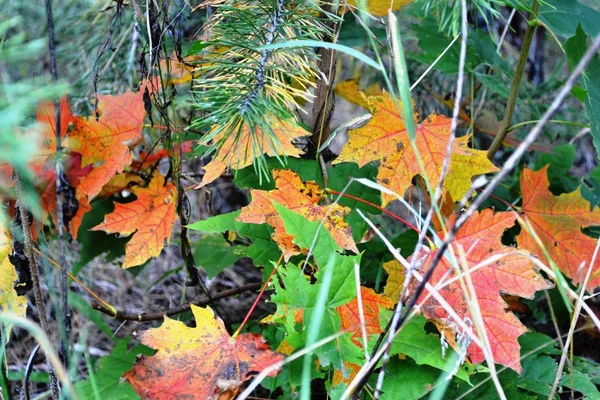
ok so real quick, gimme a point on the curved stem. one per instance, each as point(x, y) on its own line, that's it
point(391, 214)
point(552, 121)
point(516, 83)
point(262, 291)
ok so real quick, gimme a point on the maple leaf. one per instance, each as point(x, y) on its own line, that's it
point(350, 317)
point(199, 363)
point(131, 176)
point(349, 90)
point(9, 300)
point(303, 198)
point(103, 142)
point(151, 217)
point(45, 116)
point(395, 281)
point(386, 139)
point(557, 221)
point(513, 274)
point(43, 135)
point(45, 182)
point(379, 8)
point(240, 152)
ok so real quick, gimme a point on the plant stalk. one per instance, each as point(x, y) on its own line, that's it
point(35, 277)
point(60, 183)
point(516, 83)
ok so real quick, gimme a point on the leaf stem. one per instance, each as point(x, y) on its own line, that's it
point(262, 291)
point(516, 83)
point(552, 121)
point(35, 277)
point(391, 214)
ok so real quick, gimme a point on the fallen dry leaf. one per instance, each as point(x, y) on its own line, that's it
point(513, 273)
point(203, 362)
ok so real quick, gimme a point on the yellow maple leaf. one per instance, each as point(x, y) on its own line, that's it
point(349, 90)
point(9, 300)
point(303, 198)
point(395, 280)
point(386, 139)
point(203, 362)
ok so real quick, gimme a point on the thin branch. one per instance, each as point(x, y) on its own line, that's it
point(143, 317)
point(516, 83)
point(62, 185)
point(35, 277)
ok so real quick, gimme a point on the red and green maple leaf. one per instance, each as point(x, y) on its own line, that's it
point(557, 221)
point(386, 139)
point(150, 219)
point(304, 198)
point(350, 314)
point(513, 273)
point(198, 363)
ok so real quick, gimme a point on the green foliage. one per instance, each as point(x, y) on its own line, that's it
point(563, 17)
point(105, 380)
point(404, 376)
point(575, 48)
point(215, 254)
point(262, 250)
point(424, 348)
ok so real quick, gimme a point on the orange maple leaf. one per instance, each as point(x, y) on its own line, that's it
point(104, 142)
point(513, 274)
point(350, 314)
point(386, 139)
point(240, 152)
point(557, 221)
point(46, 184)
point(198, 363)
point(151, 217)
point(44, 137)
point(303, 198)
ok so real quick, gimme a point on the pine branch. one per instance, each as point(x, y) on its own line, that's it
point(242, 84)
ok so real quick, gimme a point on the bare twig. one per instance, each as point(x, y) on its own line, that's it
point(61, 182)
point(35, 276)
point(143, 317)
